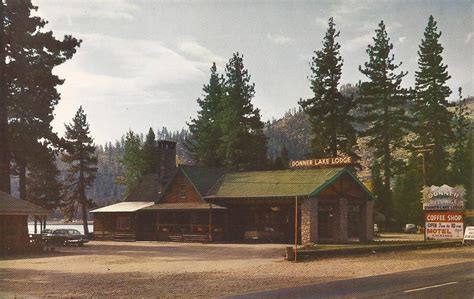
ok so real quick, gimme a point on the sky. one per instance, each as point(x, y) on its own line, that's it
point(143, 63)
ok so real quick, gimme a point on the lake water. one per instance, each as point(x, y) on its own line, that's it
point(79, 227)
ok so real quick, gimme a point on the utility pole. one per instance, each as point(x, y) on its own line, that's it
point(422, 151)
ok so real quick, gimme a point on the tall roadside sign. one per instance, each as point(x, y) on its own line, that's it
point(444, 212)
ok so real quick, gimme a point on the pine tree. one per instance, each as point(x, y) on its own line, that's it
point(132, 161)
point(432, 116)
point(205, 129)
point(28, 92)
point(384, 102)
point(406, 194)
point(82, 168)
point(243, 143)
point(328, 110)
point(150, 153)
point(44, 186)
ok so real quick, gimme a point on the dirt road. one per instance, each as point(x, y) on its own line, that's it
point(150, 269)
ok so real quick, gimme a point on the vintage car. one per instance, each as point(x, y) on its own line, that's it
point(410, 228)
point(64, 237)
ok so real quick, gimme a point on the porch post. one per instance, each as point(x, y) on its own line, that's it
point(210, 222)
point(340, 229)
point(309, 221)
point(366, 221)
point(36, 223)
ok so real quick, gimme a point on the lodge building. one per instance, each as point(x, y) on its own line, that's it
point(193, 203)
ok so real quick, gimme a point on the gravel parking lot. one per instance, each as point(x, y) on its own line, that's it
point(150, 269)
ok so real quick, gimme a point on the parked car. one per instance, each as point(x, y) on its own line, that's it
point(64, 237)
point(376, 229)
point(410, 228)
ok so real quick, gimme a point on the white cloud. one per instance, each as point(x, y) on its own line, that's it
point(401, 39)
point(116, 9)
point(279, 39)
point(356, 43)
point(468, 38)
point(200, 53)
point(117, 72)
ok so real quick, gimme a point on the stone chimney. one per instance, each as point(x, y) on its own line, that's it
point(166, 160)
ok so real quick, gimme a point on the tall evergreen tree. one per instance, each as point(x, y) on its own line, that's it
point(384, 102)
point(328, 110)
point(28, 92)
point(150, 153)
point(82, 169)
point(44, 186)
point(243, 143)
point(205, 129)
point(4, 136)
point(132, 161)
point(406, 194)
point(431, 106)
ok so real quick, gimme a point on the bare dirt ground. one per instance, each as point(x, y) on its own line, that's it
point(151, 269)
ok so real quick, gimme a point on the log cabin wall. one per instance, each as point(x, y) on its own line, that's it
point(180, 190)
point(114, 226)
point(13, 233)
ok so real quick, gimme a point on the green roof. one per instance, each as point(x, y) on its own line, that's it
point(147, 189)
point(202, 178)
point(278, 183)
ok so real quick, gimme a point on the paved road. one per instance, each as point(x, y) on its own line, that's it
point(451, 281)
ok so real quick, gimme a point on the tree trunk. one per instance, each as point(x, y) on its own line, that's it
point(386, 186)
point(84, 218)
point(4, 140)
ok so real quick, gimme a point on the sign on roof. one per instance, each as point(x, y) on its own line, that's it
point(335, 161)
point(443, 198)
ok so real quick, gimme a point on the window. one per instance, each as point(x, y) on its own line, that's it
point(182, 191)
point(123, 222)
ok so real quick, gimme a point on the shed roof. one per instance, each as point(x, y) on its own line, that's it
point(10, 205)
point(183, 206)
point(279, 183)
point(126, 206)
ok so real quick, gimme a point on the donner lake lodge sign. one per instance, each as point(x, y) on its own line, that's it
point(324, 162)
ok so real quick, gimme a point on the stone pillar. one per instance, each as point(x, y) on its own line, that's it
point(366, 232)
point(340, 221)
point(309, 221)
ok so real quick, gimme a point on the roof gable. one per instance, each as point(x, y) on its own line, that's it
point(202, 179)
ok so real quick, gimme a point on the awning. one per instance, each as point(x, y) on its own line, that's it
point(126, 206)
point(184, 206)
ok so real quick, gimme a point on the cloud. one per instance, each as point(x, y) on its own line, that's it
point(468, 38)
point(127, 72)
point(279, 39)
point(115, 10)
point(200, 53)
point(401, 39)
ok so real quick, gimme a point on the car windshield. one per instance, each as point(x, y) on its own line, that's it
point(73, 232)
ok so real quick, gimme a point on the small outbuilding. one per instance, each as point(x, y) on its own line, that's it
point(14, 212)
